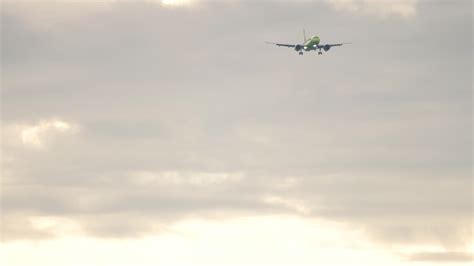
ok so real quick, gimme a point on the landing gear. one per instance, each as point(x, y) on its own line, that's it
point(300, 53)
point(319, 52)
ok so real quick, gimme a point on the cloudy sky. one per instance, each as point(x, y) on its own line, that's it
point(169, 133)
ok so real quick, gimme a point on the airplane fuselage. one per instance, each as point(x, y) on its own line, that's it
point(311, 43)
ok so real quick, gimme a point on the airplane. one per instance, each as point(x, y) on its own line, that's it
point(310, 44)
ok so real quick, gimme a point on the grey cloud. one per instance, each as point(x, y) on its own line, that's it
point(441, 257)
point(17, 226)
point(377, 134)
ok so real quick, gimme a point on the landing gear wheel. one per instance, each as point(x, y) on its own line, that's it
point(320, 53)
point(300, 53)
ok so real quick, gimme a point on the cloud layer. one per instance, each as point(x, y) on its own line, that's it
point(202, 119)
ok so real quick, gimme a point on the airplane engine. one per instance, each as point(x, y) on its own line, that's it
point(298, 47)
point(326, 47)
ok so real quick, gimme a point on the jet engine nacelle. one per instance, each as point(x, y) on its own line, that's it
point(298, 47)
point(326, 47)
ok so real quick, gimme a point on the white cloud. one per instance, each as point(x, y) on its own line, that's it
point(256, 240)
point(38, 134)
point(292, 204)
point(177, 2)
point(58, 225)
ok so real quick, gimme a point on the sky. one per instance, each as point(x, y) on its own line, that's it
point(169, 133)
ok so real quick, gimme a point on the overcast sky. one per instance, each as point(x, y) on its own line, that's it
point(169, 132)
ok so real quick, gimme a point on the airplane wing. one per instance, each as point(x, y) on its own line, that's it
point(332, 45)
point(283, 44)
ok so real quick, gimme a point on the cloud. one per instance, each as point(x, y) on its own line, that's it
point(35, 135)
point(296, 205)
point(177, 3)
point(441, 257)
point(382, 9)
point(403, 8)
point(203, 120)
point(252, 240)
point(179, 179)
point(44, 131)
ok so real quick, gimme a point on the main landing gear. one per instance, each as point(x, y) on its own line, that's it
point(320, 52)
point(300, 53)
